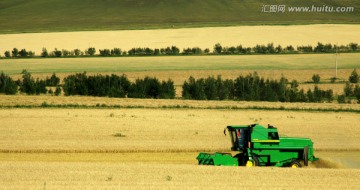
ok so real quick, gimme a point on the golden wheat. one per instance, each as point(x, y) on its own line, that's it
point(187, 37)
point(161, 130)
point(83, 175)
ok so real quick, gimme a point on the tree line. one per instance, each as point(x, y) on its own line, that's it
point(251, 87)
point(218, 49)
point(117, 86)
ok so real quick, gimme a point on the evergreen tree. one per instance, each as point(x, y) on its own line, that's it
point(57, 91)
point(28, 84)
point(15, 52)
point(348, 89)
point(357, 92)
point(316, 78)
point(7, 85)
point(354, 77)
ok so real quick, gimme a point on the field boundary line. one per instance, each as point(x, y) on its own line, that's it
point(46, 105)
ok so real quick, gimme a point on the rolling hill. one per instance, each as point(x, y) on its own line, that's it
point(19, 16)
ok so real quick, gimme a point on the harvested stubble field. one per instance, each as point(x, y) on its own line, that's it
point(162, 130)
point(10, 101)
point(80, 175)
point(156, 147)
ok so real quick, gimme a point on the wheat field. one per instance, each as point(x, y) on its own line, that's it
point(10, 101)
point(161, 130)
point(205, 37)
point(152, 144)
point(155, 147)
point(82, 175)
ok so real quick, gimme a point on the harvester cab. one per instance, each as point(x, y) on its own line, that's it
point(260, 146)
point(239, 137)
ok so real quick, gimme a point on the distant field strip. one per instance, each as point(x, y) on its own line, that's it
point(19, 16)
point(83, 102)
point(295, 35)
point(180, 63)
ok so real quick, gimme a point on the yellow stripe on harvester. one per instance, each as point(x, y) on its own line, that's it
point(270, 141)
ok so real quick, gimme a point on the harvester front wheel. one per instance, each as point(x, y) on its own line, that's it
point(295, 164)
point(253, 162)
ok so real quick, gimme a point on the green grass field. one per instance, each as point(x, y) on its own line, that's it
point(180, 63)
point(18, 16)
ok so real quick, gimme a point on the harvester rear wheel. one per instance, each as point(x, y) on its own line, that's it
point(256, 160)
point(295, 164)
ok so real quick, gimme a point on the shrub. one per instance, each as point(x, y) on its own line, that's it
point(316, 78)
point(357, 93)
point(167, 90)
point(57, 91)
point(145, 88)
point(56, 53)
point(333, 79)
point(341, 99)
point(354, 77)
point(194, 89)
point(76, 84)
point(40, 87)
point(218, 48)
point(116, 51)
point(7, 85)
point(105, 52)
point(7, 54)
point(90, 51)
point(77, 52)
point(50, 91)
point(348, 89)
point(44, 53)
point(15, 52)
point(53, 80)
point(66, 53)
point(23, 53)
point(30, 86)
point(353, 46)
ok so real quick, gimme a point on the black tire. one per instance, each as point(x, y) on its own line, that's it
point(256, 160)
point(242, 159)
point(306, 156)
point(295, 164)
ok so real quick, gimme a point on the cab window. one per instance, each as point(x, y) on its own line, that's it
point(273, 136)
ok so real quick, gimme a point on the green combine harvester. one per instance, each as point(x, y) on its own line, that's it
point(256, 145)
